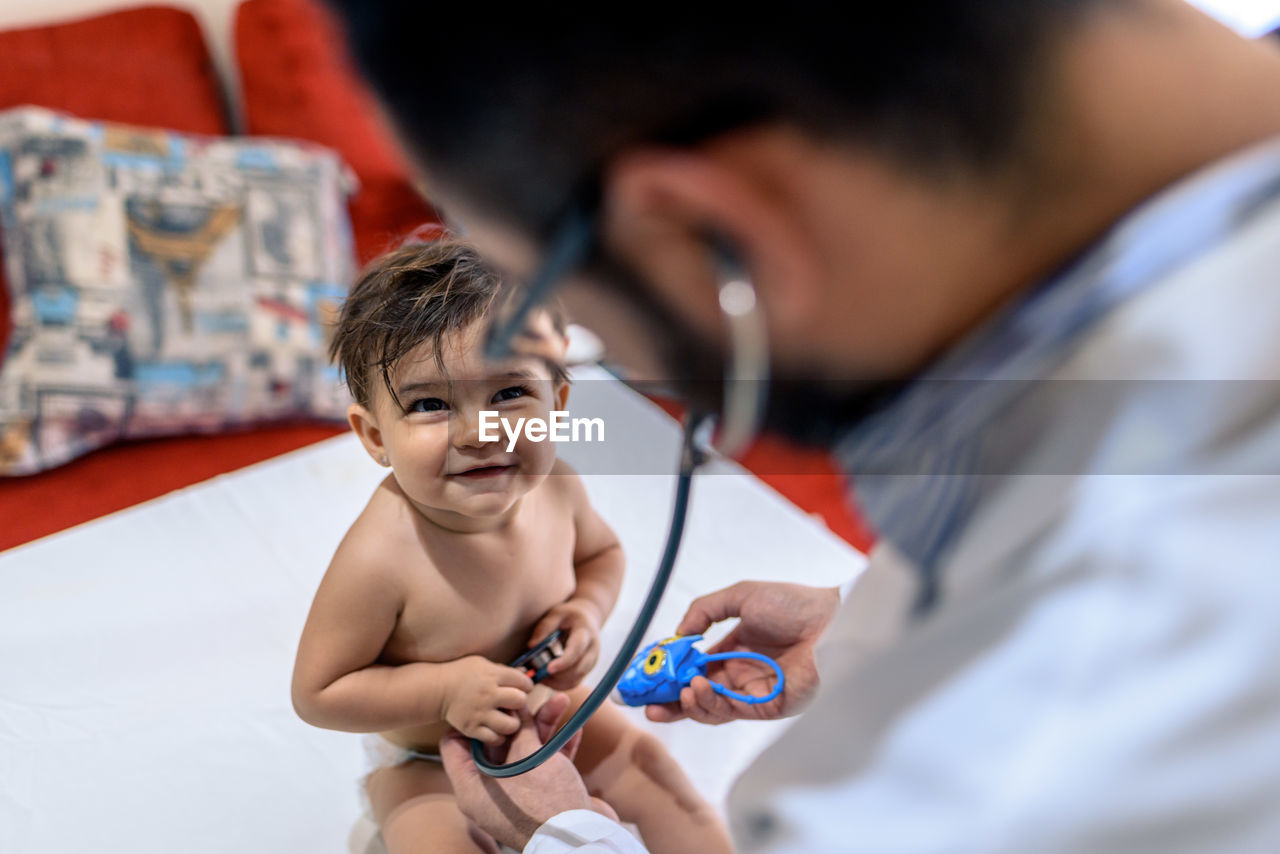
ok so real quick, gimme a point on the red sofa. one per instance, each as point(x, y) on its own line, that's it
point(151, 66)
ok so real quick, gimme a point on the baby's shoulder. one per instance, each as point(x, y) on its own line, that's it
point(564, 483)
point(567, 491)
point(382, 537)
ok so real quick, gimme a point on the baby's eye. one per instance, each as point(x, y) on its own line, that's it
point(510, 393)
point(427, 404)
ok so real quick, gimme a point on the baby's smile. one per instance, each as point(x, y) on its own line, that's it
point(485, 471)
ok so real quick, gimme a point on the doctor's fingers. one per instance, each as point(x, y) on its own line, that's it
point(455, 755)
point(699, 702)
point(545, 708)
point(731, 642)
point(664, 713)
point(535, 730)
point(714, 607)
point(547, 720)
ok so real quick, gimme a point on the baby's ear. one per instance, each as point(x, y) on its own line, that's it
point(365, 427)
point(562, 394)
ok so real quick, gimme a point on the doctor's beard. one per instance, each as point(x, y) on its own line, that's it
point(800, 407)
point(815, 413)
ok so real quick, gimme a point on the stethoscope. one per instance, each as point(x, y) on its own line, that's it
point(745, 394)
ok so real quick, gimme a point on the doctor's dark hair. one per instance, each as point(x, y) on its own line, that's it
point(418, 293)
point(520, 118)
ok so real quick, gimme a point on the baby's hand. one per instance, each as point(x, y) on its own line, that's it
point(579, 625)
point(478, 693)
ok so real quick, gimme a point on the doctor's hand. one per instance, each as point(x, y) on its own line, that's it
point(782, 621)
point(512, 808)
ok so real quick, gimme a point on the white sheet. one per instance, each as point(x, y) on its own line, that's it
point(145, 657)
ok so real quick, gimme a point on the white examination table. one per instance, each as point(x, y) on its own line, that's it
point(145, 657)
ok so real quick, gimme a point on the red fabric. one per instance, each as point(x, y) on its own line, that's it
point(811, 481)
point(5, 326)
point(146, 66)
point(807, 478)
point(298, 81)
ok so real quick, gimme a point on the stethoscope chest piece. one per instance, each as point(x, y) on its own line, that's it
point(534, 661)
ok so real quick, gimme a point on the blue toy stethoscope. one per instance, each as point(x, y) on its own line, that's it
point(662, 669)
point(745, 393)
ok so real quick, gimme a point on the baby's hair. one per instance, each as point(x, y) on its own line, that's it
point(417, 293)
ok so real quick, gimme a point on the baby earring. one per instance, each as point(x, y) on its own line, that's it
point(383, 460)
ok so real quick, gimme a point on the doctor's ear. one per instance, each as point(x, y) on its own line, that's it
point(661, 204)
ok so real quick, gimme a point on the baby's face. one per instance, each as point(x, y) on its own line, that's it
point(434, 445)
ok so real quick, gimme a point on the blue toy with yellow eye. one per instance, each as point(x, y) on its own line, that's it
point(661, 669)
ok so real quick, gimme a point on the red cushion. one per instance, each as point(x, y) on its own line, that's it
point(146, 66)
point(298, 81)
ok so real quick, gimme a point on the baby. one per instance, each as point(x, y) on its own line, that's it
point(466, 555)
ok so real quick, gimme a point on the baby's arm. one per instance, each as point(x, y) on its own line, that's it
point(598, 565)
point(338, 684)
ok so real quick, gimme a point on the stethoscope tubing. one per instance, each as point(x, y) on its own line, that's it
point(690, 458)
point(745, 388)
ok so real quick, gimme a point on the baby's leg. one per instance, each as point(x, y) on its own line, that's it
point(632, 771)
point(414, 806)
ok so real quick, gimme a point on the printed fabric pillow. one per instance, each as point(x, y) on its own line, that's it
point(162, 283)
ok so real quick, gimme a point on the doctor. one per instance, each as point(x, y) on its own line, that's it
point(1020, 266)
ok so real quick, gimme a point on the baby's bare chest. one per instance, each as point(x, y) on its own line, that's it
point(482, 596)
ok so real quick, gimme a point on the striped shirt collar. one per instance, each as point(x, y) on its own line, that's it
point(916, 464)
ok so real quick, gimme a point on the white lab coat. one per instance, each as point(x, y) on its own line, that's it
point(1102, 672)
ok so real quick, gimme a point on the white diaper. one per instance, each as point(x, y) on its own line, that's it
point(381, 753)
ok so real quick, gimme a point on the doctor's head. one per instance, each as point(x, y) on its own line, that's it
point(885, 182)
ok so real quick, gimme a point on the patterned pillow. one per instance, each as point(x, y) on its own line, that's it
point(163, 283)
